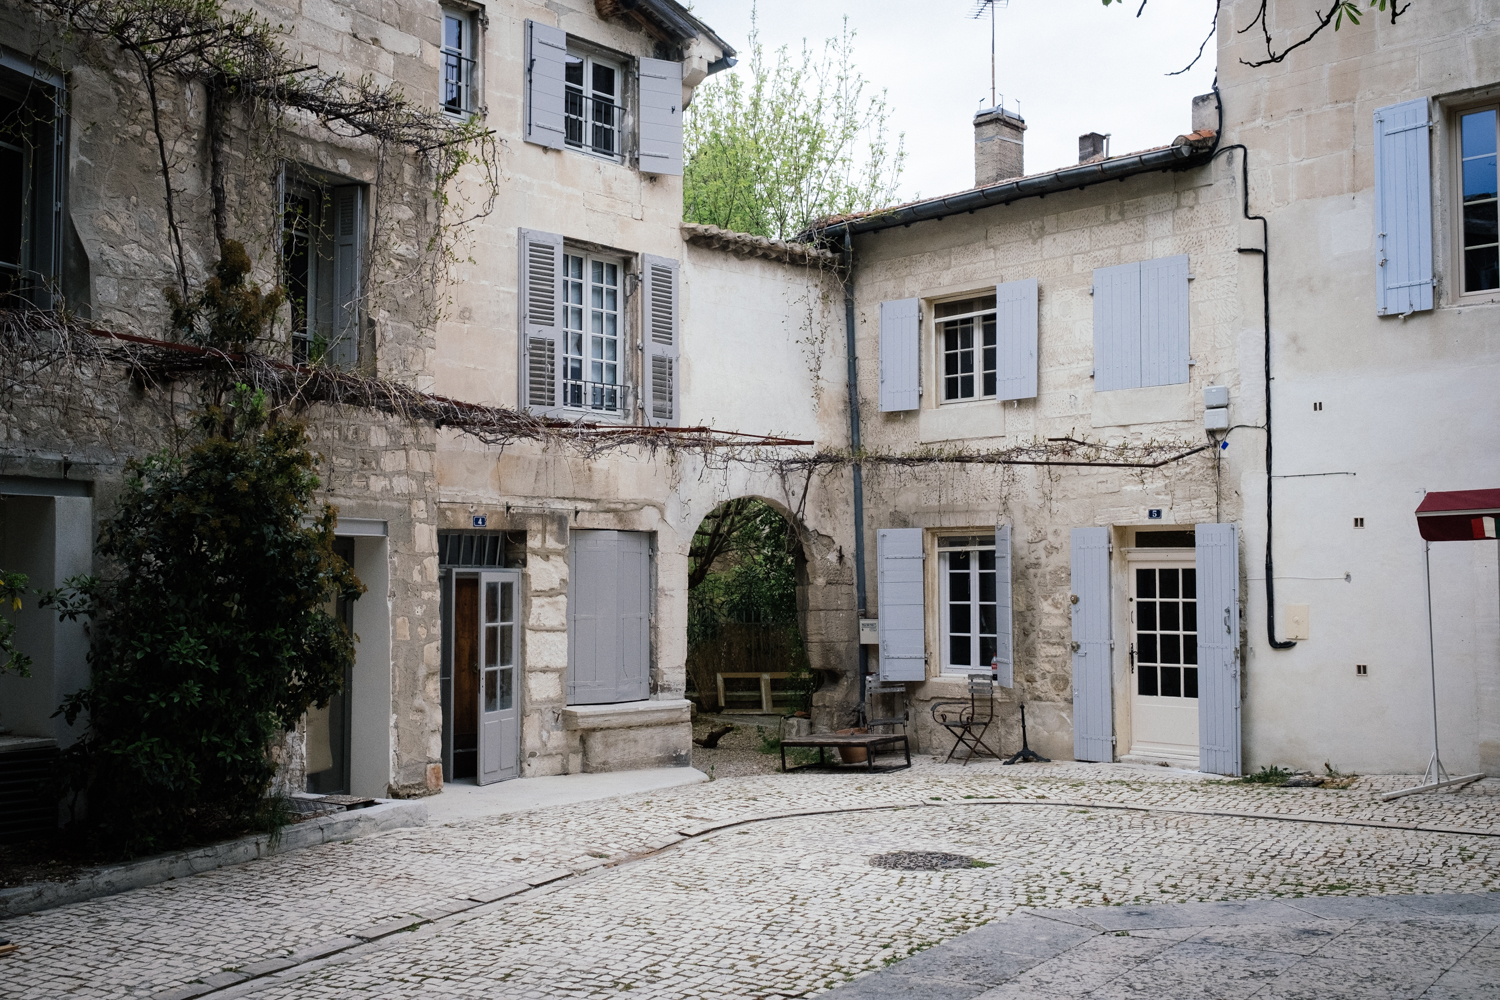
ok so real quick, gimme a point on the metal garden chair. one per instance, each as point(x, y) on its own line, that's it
point(968, 721)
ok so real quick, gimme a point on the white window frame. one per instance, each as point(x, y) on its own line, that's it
point(1460, 277)
point(594, 395)
point(467, 58)
point(976, 545)
point(940, 352)
point(589, 105)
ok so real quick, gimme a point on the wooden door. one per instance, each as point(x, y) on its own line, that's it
point(466, 677)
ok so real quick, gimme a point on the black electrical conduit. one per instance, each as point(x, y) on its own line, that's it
point(1265, 297)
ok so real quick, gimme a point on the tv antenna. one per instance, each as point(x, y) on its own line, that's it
point(979, 9)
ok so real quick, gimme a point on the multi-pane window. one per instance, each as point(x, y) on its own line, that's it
point(1480, 236)
point(591, 321)
point(457, 57)
point(966, 566)
point(1166, 631)
point(320, 260)
point(594, 110)
point(29, 193)
point(966, 348)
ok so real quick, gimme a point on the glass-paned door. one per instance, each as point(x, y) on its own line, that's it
point(1164, 660)
point(499, 660)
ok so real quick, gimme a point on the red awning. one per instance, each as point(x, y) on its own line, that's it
point(1458, 515)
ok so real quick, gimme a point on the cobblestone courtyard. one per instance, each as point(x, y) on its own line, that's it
point(747, 887)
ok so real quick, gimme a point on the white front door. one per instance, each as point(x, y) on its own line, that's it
point(499, 660)
point(1164, 660)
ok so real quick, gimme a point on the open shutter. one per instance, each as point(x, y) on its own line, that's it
point(1218, 565)
point(1164, 321)
point(541, 322)
point(609, 617)
point(900, 356)
point(1015, 340)
point(1005, 656)
point(1117, 327)
point(546, 91)
point(663, 373)
point(661, 116)
point(1093, 714)
point(1403, 209)
point(903, 648)
point(348, 212)
point(633, 605)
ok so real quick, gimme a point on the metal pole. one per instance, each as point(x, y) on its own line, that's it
point(1436, 765)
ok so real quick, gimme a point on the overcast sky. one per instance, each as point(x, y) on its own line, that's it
point(1071, 66)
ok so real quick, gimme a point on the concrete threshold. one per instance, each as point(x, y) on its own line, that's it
point(386, 814)
point(464, 800)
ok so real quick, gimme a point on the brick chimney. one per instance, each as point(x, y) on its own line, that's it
point(1092, 146)
point(998, 146)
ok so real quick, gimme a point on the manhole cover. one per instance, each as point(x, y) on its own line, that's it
point(921, 861)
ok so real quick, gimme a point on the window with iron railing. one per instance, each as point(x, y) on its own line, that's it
point(592, 359)
point(594, 111)
point(458, 63)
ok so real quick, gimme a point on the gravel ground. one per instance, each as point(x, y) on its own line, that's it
point(737, 754)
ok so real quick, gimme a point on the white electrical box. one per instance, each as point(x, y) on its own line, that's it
point(1298, 621)
point(1215, 396)
point(869, 632)
point(1216, 420)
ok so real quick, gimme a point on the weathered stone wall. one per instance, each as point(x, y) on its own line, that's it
point(1058, 240)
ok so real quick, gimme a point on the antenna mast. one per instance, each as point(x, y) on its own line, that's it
point(979, 8)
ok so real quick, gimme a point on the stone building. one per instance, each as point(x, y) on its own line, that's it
point(1060, 382)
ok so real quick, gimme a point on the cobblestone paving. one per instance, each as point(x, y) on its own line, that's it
point(781, 907)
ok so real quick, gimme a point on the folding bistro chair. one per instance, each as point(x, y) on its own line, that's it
point(968, 721)
point(869, 718)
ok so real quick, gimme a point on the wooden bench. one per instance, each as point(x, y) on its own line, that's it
point(870, 741)
point(766, 706)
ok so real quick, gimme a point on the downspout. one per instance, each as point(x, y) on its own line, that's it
point(1265, 297)
point(854, 449)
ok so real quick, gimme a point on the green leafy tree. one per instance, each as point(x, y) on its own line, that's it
point(774, 146)
point(12, 660)
point(212, 635)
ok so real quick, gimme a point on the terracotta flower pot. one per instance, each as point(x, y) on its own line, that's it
point(853, 755)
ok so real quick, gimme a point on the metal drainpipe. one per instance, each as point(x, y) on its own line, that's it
point(854, 447)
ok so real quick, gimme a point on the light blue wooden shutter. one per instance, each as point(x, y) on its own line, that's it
point(661, 116)
point(347, 223)
point(663, 375)
point(1164, 321)
point(633, 605)
point(609, 606)
point(541, 322)
point(1093, 711)
point(903, 620)
point(546, 90)
point(900, 356)
point(1005, 645)
point(1015, 340)
point(1403, 209)
point(1218, 563)
point(1117, 327)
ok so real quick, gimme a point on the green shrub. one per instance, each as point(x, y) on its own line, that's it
point(1271, 775)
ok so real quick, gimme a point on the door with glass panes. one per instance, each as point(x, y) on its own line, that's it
point(498, 701)
point(1164, 659)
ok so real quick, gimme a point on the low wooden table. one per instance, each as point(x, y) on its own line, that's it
point(870, 741)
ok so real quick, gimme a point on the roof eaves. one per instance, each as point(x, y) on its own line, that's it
point(1186, 151)
point(746, 244)
point(676, 20)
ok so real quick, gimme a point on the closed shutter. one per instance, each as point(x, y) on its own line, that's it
point(1403, 209)
point(1005, 645)
point(662, 333)
point(1218, 563)
point(546, 91)
point(1015, 340)
point(1164, 321)
point(661, 117)
point(1117, 327)
point(609, 617)
point(348, 210)
point(1093, 711)
point(903, 648)
point(541, 322)
point(900, 356)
